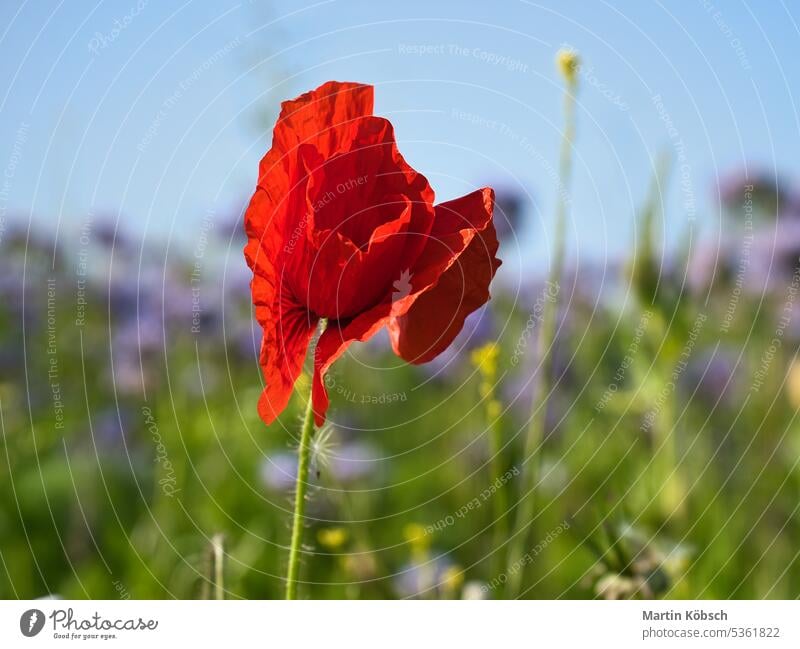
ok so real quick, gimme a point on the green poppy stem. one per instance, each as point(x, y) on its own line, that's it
point(531, 469)
point(301, 485)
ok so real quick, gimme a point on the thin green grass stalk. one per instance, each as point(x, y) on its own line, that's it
point(497, 468)
point(665, 478)
point(515, 566)
point(485, 361)
point(301, 487)
point(498, 471)
point(218, 560)
point(213, 567)
point(645, 268)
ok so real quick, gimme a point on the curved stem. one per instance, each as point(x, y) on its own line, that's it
point(301, 485)
point(515, 566)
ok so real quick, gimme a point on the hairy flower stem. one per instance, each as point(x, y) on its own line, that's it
point(515, 564)
point(304, 454)
point(301, 486)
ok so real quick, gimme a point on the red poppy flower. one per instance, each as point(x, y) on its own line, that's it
point(341, 227)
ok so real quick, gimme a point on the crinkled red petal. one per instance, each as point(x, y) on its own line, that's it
point(437, 315)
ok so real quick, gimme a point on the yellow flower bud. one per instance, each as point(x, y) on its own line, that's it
point(332, 538)
point(452, 580)
point(415, 534)
point(485, 359)
point(793, 385)
point(568, 63)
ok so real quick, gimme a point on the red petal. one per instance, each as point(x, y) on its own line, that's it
point(323, 117)
point(370, 214)
point(346, 191)
point(385, 235)
point(287, 332)
point(287, 325)
point(346, 280)
point(465, 257)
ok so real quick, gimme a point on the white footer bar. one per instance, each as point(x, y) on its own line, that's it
point(406, 625)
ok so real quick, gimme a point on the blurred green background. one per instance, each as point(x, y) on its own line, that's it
point(133, 462)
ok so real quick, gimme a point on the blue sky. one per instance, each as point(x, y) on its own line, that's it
point(159, 112)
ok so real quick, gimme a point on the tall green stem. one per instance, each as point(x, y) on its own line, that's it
point(301, 485)
point(498, 469)
point(501, 497)
point(515, 566)
point(485, 361)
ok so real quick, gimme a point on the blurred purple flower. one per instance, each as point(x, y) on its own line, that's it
point(123, 298)
point(278, 471)
point(711, 377)
point(142, 335)
point(775, 257)
point(21, 240)
point(346, 463)
point(713, 260)
point(420, 578)
point(107, 232)
point(767, 193)
point(230, 227)
point(109, 427)
point(244, 340)
point(237, 279)
point(517, 391)
point(509, 207)
point(352, 461)
point(129, 376)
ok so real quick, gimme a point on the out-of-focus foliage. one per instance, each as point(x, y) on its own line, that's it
point(133, 460)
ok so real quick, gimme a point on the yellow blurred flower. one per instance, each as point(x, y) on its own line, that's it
point(452, 580)
point(415, 534)
point(485, 359)
point(793, 385)
point(360, 566)
point(332, 538)
point(568, 62)
point(493, 409)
